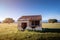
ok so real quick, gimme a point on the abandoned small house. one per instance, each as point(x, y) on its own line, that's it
point(33, 22)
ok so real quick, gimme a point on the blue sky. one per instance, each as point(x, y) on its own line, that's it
point(17, 8)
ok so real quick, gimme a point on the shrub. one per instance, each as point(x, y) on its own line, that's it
point(52, 20)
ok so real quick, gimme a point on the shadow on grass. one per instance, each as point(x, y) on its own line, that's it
point(46, 30)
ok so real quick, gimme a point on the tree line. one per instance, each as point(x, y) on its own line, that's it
point(11, 20)
point(8, 20)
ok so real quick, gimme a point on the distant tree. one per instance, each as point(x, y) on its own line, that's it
point(8, 20)
point(0, 22)
point(52, 20)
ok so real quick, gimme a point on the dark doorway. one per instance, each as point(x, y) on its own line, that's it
point(24, 25)
point(35, 23)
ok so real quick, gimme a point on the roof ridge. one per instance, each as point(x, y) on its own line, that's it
point(32, 15)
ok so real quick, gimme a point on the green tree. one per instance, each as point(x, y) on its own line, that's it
point(8, 20)
point(52, 20)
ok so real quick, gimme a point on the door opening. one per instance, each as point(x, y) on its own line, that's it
point(24, 25)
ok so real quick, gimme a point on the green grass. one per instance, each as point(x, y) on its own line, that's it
point(10, 32)
point(30, 36)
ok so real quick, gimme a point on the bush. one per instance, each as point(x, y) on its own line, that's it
point(52, 20)
point(8, 20)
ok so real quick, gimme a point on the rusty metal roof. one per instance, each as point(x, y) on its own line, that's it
point(31, 17)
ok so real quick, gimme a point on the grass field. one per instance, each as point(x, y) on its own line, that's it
point(10, 32)
point(51, 25)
